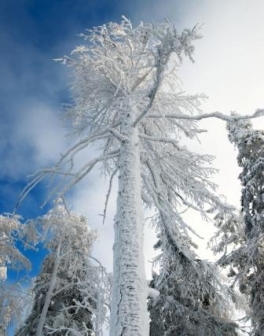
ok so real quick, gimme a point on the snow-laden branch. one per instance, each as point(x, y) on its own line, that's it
point(84, 143)
point(164, 206)
point(85, 169)
point(159, 139)
point(118, 135)
point(68, 331)
point(218, 115)
point(158, 82)
point(76, 176)
point(109, 193)
point(153, 293)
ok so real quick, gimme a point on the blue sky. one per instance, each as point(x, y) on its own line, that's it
point(228, 68)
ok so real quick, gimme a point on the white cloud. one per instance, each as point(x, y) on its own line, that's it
point(229, 69)
point(35, 141)
point(41, 129)
point(229, 58)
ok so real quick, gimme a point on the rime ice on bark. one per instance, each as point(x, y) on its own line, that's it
point(129, 281)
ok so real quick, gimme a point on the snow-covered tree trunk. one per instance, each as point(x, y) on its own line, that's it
point(48, 298)
point(129, 298)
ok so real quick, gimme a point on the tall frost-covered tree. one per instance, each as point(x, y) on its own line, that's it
point(128, 101)
point(71, 294)
point(248, 259)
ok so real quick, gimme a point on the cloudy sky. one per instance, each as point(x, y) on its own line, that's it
point(228, 68)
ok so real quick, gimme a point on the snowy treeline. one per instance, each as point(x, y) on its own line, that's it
point(129, 103)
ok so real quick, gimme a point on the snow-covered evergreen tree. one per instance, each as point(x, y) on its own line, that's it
point(192, 301)
point(10, 256)
point(127, 99)
point(247, 260)
point(71, 294)
point(12, 297)
point(15, 303)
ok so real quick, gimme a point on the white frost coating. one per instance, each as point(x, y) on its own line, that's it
point(3, 272)
point(152, 292)
point(129, 298)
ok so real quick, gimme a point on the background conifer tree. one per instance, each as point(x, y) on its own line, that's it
point(71, 295)
point(192, 301)
point(248, 259)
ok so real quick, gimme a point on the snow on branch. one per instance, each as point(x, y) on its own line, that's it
point(159, 139)
point(153, 293)
point(75, 176)
point(218, 115)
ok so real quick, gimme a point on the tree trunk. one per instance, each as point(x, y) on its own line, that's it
point(48, 297)
point(129, 315)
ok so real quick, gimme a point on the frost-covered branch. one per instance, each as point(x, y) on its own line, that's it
point(75, 176)
point(109, 193)
point(218, 115)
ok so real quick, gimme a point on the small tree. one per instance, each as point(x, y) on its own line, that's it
point(12, 296)
point(15, 302)
point(11, 257)
point(71, 295)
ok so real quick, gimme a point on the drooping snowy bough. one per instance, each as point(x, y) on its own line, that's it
point(128, 101)
point(193, 298)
